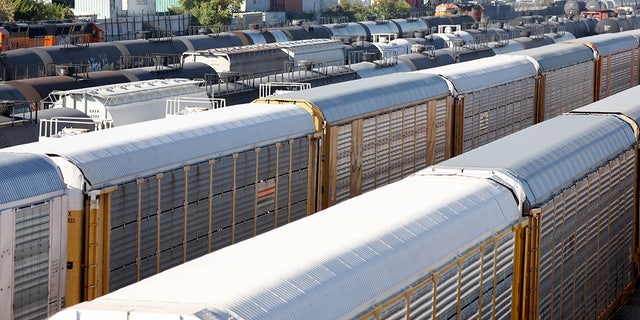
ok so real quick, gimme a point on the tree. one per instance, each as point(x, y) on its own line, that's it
point(32, 10)
point(212, 12)
point(390, 8)
point(6, 11)
point(355, 11)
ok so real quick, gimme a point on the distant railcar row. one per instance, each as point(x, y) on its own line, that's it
point(541, 224)
point(43, 61)
point(398, 55)
point(243, 68)
point(102, 210)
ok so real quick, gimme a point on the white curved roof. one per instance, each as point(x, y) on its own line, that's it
point(607, 43)
point(335, 264)
point(549, 157)
point(624, 103)
point(120, 93)
point(554, 57)
point(367, 69)
point(510, 46)
point(256, 36)
point(485, 72)
point(120, 154)
point(359, 97)
point(28, 178)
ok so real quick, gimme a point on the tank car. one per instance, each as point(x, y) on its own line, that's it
point(573, 8)
point(42, 61)
point(35, 90)
point(580, 28)
point(132, 102)
point(32, 126)
point(615, 24)
point(409, 27)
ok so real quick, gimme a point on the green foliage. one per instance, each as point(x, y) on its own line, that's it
point(6, 11)
point(356, 11)
point(387, 9)
point(32, 10)
point(175, 10)
point(211, 12)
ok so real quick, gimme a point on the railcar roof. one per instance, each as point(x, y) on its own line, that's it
point(322, 266)
point(121, 154)
point(610, 42)
point(28, 177)
point(485, 73)
point(555, 57)
point(358, 97)
point(550, 156)
point(623, 103)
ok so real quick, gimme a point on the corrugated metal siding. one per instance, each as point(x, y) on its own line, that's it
point(394, 145)
point(616, 74)
point(477, 286)
point(568, 88)
point(343, 164)
point(125, 261)
point(494, 112)
point(587, 242)
point(26, 176)
point(353, 270)
point(102, 9)
point(31, 291)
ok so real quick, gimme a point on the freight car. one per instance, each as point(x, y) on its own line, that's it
point(35, 90)
point(25, 127)
point(41, 61)
point(152, 195)
point(423, 55)
point(132, 102)
point(26, 35)
point(323, 73)
point(270, 58)
point(238, 87)
point(540, 224)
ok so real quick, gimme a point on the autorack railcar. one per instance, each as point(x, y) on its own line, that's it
point(538, 224)
point(144, 217)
